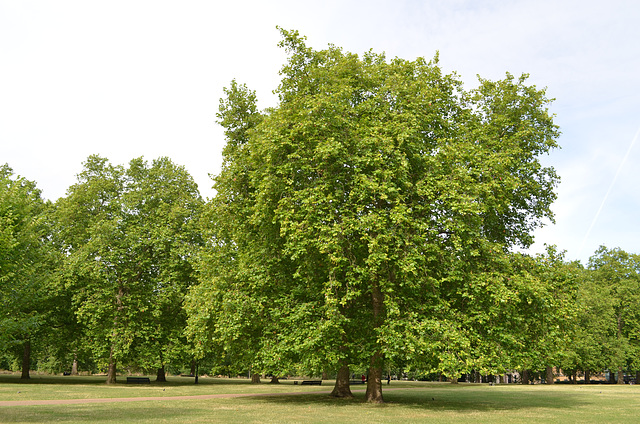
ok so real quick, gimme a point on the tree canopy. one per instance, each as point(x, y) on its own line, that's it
point(364, 206)
point(130, 235)
point(27, 263)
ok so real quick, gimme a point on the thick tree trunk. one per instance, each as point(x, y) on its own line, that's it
point(342, 388)
point(161, 376)
point(255, 378)
point(525, 376)
point(111, 373)
point(574, 374)
point(26, 360)
point(620, 376)
point(193, 367)
point(374, 382)
point(549, 375)
point(274, 380)
point(587, 376)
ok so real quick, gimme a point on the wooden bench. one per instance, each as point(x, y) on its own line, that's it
point(138, 380)
point(311, 383)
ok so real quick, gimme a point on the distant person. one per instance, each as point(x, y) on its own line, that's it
point(363, 378)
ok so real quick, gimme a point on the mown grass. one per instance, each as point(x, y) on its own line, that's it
point(409, 402)
point(68, 387)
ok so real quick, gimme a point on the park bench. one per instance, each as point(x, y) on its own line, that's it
point(138, 380)
point(311, 382)
point(356, 382)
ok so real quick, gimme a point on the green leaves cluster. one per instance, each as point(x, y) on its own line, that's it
point(369, 221)
point(362, 209)
point(130, 235)
point(27, 261)
point(608, 336)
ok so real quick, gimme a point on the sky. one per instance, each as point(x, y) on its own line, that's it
point(132, 78)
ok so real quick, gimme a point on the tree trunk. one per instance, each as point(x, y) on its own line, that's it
point(74, 367)
point(454, 380)
point(255, 378)
point(342, 388)
point(274, 380)
point(193, 367)
point(325, 375)
point(620, 376)
point(574, 374)
point(161, 376)
point(525, 376)
point(111, 373)
point(587, 376)
point(637, 377)
point(549, 375)
point(26, 359)
point(374, 382)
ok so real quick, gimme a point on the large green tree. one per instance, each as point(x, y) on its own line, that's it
point(381, 186)
point(27, 264)
point(129, 235)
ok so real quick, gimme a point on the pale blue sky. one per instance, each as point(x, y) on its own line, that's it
point(131, 78)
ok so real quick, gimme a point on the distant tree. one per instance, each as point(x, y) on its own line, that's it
point(27, 264)
point(547, 312)
point(590, 340)
point(616, 286)
point(130, 236)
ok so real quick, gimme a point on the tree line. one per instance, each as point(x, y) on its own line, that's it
point(368, 222)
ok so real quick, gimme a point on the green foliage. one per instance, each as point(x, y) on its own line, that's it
point(369, 214)
point(612, 302)
point(130, 236)
point(29, 306)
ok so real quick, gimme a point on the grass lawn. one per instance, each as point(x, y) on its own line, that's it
point(408, 402)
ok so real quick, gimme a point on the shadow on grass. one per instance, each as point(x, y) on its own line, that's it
point(121, 379)
point(480, 400)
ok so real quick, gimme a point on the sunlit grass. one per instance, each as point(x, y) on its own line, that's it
point(409, 402)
